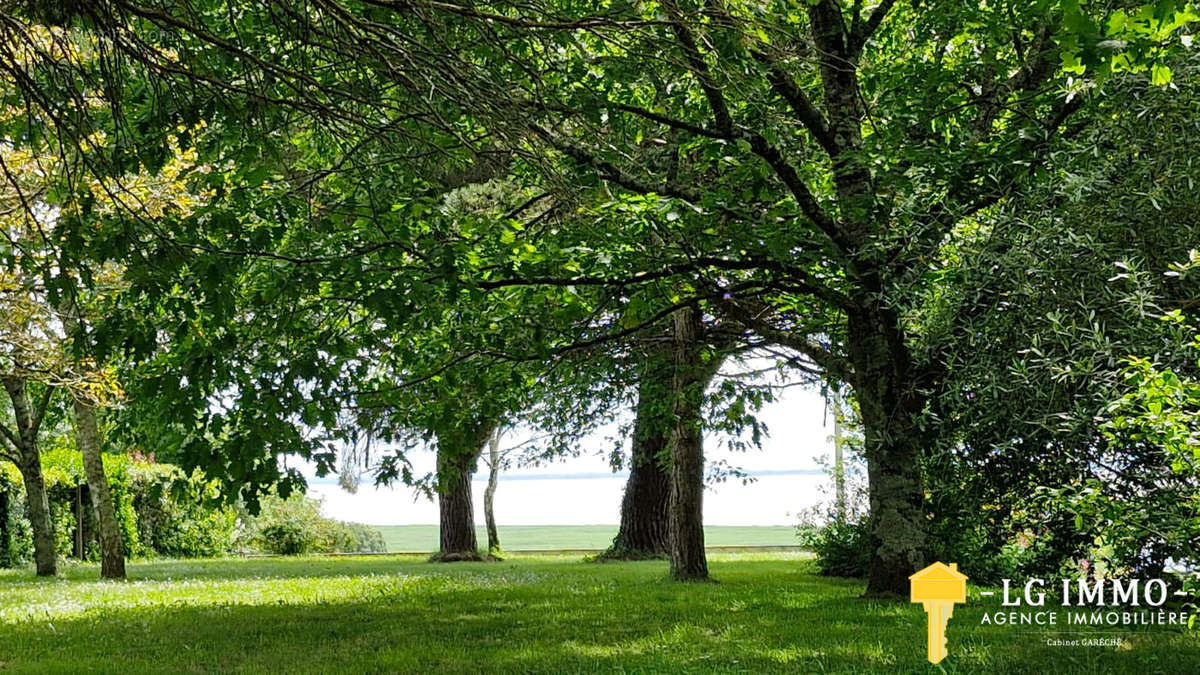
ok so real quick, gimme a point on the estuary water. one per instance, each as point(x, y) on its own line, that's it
point(773, 498)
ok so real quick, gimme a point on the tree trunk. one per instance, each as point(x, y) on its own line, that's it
point(457, 455)
point(79, 520)
point(489, 495)
point(37, 509)
point(87, 435)
point(37, 504)
point(456, 512)
point(686, 506)
point(839, 459)
point(889, 403)
point(5, 535)
point(645, 525)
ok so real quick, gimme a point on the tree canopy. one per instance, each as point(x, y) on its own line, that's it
point(426, 195)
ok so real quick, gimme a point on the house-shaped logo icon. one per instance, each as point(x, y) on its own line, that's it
point(938, 587)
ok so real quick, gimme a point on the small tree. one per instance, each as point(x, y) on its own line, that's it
point(43, 294)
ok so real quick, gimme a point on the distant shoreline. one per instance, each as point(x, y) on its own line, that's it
point(481, 476)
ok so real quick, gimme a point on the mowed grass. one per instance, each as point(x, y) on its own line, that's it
point(410, 538)
point(541, 614)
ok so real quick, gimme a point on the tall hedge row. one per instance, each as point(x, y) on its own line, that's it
point(161, 511)
point(164, 512)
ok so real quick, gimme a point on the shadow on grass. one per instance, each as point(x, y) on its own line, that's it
point(526, 616)
point(232, 568)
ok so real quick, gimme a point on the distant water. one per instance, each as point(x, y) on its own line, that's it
point(774, 498)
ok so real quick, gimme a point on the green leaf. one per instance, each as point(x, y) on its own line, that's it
point(1160, 75)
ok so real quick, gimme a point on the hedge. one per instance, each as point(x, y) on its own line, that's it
point(161, 510)
point(164, 512)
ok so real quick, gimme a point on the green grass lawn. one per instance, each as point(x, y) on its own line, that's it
point(551, 614)
point(408, 538)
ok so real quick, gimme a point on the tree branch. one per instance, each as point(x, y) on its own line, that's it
point(797, 280)
point(8, 435)
point(812, 119)
point(754, 318)
point(861, 32)
point(612, 173)
point(699, 68)
point(39, 409)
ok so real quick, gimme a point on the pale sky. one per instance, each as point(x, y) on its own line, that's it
point(584, 491)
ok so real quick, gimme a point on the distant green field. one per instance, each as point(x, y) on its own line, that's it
point(405, 538)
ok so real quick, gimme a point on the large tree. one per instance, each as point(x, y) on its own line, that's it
point(644, 530)
point(1043, 299)
point(798, 165)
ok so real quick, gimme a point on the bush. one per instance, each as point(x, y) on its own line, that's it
point(178, 515)
point(844, 549)
point(295, 525)
point(286, 538)
point(807, 534)
point(163, 511)
point(16, 543)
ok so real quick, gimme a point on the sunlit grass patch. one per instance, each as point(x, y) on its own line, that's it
point(551, 614)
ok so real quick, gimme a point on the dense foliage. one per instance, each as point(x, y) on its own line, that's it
point(1061, 286)
point(428, 219)
point(164, 512)
point(161, 510)
point(295, 525)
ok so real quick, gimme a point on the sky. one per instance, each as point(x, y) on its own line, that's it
point(583, 490)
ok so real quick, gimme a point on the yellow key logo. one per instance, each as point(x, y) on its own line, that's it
point(938, 587)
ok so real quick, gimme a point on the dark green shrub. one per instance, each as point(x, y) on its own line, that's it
point(178, 515)
point(19, 540)
point(286, 538)
point(11, 510)
point(295, 525)
point(161, 511)
point(844, 549)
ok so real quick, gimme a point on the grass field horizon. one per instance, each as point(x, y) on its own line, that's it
point(769, 613)
point(424, 538)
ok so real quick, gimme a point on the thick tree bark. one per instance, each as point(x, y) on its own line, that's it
point(456, 512)
point(686, 507)
point(645, 526)
point(87, 435)
point(37, 504)
point(457, 456)
point(489, 494)
point(5, 536)
point(889, 403)
point(37, 510)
